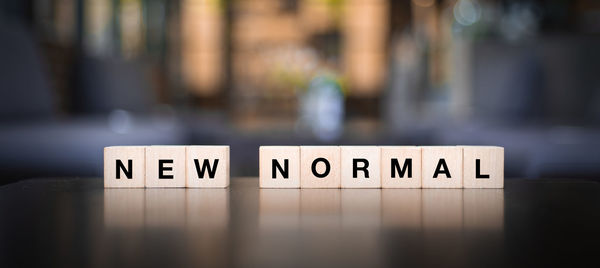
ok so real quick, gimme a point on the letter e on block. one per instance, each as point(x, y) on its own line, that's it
point(483, 166)
point(124, 166)
point(279, 167)
point(165, 166)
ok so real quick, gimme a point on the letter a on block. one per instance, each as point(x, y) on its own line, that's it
point(442, 167)
point(124, 167)
point(207, 166)
point(483, 166)
point(279, 166)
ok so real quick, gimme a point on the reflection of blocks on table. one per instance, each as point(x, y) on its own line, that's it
point(165, 207)
point(207, 209)
point(483, 167)
point(442, 167)
point(320, 167)
point(483, 208)
point(279, 167)
point(360, 167)
point(361, 208)
point(165, 166)
point(320, 208)
point(400, 167)
point(207, 166)
point(279, 209)
point(442, 209)
point(124, 167)
point(401, 208)
point(124, 208)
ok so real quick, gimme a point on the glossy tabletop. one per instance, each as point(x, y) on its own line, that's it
point(76, 222)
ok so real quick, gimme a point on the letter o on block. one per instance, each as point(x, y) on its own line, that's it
point(320, 167)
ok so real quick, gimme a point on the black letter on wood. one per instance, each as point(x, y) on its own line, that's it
point(442, 168)
point(128, 172)
point(314, 167)
point(355, 167)
point(407, 167)
point(162, 168)
point(478, 174)
point(284, 171)
point(205, 166)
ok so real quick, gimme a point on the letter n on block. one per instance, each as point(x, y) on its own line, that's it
point(124, 167)
point(483, 166)
point(279, 166)
point(207, 166)
point(442, 166)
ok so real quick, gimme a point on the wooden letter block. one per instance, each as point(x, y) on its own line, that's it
point(360, 167)
point(442, 167)
point(320, 167)
point(483, 167)
point(279, 166)
point(400, 167)
point(207, 166)
point(124, 166)
point(165, 166)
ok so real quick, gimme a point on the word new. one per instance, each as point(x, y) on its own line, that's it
point(166, 166)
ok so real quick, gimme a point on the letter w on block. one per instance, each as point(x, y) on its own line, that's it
point(279, 166)
point(207, 166)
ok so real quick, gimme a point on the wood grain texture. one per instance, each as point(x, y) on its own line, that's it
point(372, 155)
point(491, 163)
point(308, 154)
point(124, 153)
point(401, 154)
point(281, 154)
point(177, 167)
point(432, 157)
point(194, 179)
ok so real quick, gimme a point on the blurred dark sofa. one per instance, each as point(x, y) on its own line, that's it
point(538, 99)
point(36, 140)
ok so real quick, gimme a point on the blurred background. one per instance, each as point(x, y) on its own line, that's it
point(78, 75)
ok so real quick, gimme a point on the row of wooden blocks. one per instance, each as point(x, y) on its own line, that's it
point(381, 167)
point(166, 166)
point(309, 166)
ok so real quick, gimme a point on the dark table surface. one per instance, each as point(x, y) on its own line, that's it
point(76, 222)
